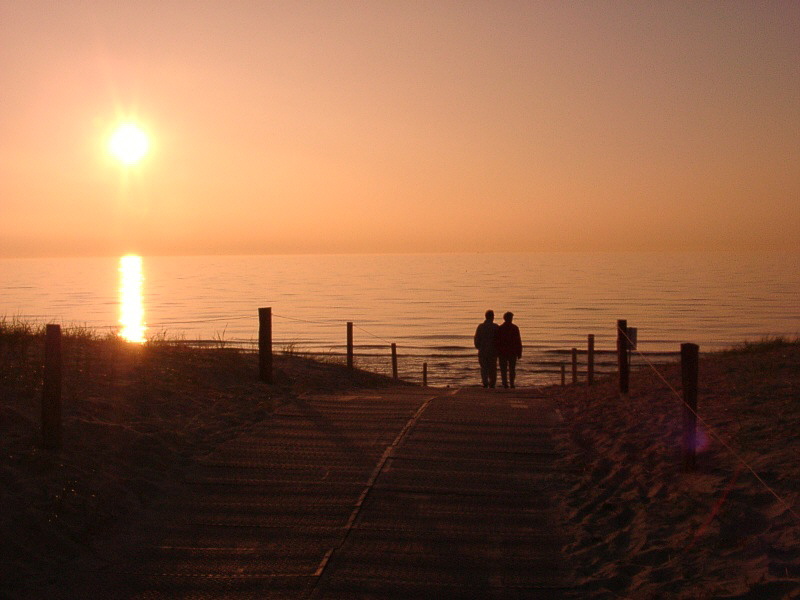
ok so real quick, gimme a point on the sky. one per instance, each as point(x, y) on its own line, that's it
point(400, 126)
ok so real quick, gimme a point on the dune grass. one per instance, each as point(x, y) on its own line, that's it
point(764, 344)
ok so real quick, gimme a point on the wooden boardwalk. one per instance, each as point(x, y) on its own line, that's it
point(401, 493)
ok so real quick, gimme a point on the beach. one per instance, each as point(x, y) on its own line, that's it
point(134, 416)
point(357, 187)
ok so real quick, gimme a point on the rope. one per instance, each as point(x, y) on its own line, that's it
point(372, 334)
point(227, 319)
point(329, 323)
point(302, 320)
point(196, 321)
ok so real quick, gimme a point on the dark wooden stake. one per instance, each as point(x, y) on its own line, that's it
point(424, 374)
point(265, 344)
point(563, 374)
point(574, 365)
point(349, 345)
point(690, 359)
point(622, 356)
point(51, 389)
point(590, 361)
point(394, 361)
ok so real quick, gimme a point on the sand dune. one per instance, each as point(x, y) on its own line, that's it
point(132, 417)
point(646, 529)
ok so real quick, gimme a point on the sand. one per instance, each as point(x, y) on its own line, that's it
point(643, 528)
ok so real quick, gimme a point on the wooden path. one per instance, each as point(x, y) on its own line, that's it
point(401, 493)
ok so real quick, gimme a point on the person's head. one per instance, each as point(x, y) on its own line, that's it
point(490, 315)
point(508, 317)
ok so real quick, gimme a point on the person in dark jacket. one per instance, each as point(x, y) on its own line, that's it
point(509, 349)
point(486, 343)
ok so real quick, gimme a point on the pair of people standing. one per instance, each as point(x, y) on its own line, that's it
point(495, 341)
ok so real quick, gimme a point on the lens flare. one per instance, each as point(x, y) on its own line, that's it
point(131, 311)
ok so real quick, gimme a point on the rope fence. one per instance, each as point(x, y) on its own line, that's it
point(384, 358)
point(454, 365)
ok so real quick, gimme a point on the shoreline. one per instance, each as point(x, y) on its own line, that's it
point(643, 528)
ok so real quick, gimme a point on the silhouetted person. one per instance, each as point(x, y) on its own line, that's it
point(509, 349)
point(486, 343)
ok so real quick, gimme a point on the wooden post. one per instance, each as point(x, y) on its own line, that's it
point(590, 361)
point(574, 365)
point(690, 354)
point(394, 361)
point(265, 344)
point(563, 374)
point(349, 344)
point(622, 356)
point(51, 389)
point(424, 374)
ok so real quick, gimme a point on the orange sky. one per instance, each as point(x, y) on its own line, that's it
point(385, 126)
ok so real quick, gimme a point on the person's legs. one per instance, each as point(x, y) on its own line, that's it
point(504, 370)
point(484, 362)
point(512, 370)
point(492, 371)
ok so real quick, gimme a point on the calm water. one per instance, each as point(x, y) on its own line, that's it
point(429, 305)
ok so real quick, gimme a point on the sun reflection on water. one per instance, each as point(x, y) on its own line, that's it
point(131, 311)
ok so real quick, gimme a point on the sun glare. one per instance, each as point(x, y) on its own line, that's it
point(128, 143)
point(131, 311)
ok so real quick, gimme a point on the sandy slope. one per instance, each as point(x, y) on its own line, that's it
point(645, 529)
point(132, 417)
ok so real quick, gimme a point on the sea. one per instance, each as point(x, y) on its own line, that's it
point(428, 305)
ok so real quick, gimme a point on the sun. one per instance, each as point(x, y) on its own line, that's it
point(128, 143)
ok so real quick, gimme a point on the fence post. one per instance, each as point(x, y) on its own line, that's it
point(51, 389)
point(563, 374)
point(574, 365)
point(424, 374)
point(265, 344)
point(689, 374)
point(622, 356)
point(349, 344)
point(394, 361)
point(590, 361)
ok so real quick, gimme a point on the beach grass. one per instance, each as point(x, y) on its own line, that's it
point(765, 344)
